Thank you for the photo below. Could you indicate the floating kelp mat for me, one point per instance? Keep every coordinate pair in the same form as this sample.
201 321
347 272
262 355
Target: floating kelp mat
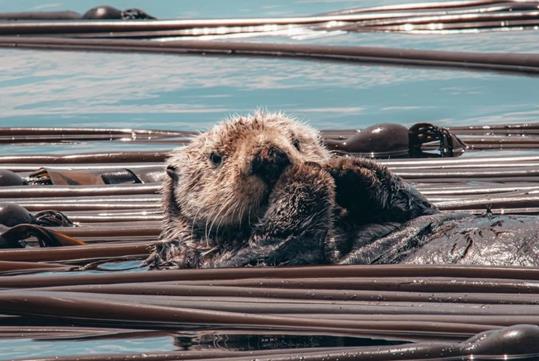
67 30
428 17
514 63
97 301
415 312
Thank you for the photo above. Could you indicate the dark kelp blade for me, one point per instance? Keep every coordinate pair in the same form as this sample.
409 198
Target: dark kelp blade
46 236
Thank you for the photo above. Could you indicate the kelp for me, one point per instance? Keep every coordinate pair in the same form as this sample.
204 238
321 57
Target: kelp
436 307
420 17
526 63
76 34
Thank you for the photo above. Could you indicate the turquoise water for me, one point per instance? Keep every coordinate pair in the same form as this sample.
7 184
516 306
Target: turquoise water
192 92
19 348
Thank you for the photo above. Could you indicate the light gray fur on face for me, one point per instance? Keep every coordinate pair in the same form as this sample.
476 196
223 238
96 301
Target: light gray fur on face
213 195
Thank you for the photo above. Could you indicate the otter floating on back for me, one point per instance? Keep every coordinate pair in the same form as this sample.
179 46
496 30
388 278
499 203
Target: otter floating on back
263 190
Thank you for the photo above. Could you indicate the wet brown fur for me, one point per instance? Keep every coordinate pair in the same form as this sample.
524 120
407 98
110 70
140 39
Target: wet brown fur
219 215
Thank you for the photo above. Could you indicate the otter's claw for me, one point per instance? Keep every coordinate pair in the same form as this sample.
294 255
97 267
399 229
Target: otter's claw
173 254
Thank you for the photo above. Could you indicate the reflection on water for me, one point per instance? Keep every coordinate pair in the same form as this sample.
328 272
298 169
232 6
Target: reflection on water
19 348
271 341
204 343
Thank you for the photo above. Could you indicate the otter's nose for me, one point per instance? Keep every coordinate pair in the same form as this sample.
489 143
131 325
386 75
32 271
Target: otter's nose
269 163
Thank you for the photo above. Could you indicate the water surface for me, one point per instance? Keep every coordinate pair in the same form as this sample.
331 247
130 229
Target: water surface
65 89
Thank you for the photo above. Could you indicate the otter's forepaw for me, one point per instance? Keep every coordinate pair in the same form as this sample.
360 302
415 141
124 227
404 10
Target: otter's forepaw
356 186
299 192
310 175
371 193
297 221
173 254
302 191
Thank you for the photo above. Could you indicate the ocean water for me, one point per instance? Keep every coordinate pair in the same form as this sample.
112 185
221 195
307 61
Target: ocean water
64 89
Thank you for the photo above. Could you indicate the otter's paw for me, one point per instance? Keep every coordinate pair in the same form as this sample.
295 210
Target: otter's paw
297 221
357 185
173 254
303 197
307 175
302 193
371 193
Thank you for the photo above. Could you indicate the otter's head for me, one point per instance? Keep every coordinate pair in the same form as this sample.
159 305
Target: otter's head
224 176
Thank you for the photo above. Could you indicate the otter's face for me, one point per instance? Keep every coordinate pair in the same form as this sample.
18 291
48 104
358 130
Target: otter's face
224 176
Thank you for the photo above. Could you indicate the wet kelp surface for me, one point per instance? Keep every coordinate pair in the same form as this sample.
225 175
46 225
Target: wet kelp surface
98 302
425 17
106 29
383 312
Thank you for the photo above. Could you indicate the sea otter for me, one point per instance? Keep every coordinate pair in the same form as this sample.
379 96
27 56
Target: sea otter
263 190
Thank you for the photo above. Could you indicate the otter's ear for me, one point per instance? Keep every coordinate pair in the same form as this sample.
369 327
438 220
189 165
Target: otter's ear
172 173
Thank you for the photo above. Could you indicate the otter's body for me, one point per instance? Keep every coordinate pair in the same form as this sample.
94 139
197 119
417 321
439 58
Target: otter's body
263 190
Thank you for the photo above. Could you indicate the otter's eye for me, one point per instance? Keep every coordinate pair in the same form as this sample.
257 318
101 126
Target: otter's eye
295 143
215 158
